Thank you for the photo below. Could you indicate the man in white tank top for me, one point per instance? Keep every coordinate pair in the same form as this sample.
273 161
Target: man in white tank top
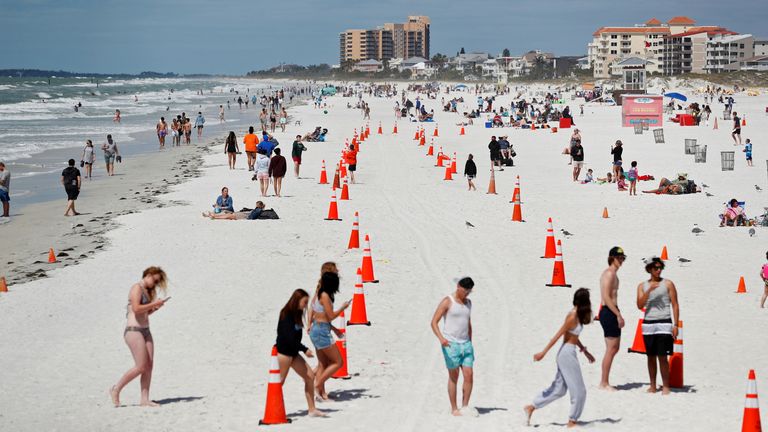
456 342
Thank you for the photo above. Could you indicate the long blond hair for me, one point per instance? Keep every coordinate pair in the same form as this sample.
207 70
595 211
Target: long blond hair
328 266
162 283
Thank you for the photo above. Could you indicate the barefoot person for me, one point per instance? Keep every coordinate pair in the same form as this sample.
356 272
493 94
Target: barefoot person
328 355
5 186
72 181
296 151
289 330
568 376
470 171
110 154
659 298
162 130
277 169
142 301
231 149
456 341
609 315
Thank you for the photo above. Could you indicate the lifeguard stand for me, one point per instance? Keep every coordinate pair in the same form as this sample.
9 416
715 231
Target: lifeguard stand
632 70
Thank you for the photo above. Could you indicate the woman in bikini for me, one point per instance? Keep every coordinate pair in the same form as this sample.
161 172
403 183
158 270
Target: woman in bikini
322 314
142 302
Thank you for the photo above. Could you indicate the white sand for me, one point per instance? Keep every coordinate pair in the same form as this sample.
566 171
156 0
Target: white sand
61 342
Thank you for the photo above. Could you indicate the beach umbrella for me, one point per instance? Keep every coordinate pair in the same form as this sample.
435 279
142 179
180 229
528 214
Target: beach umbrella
676 96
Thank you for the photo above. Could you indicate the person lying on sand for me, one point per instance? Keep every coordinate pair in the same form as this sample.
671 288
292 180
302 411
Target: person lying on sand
248 215
676 187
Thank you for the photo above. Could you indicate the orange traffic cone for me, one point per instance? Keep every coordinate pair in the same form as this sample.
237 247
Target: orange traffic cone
516 191
638 344
359 313
422 140
715 124
274 412
368 263
394 129
3 285
431 149
51 256
416 136
342 169
448 173
341 343
380 131
549 245
605 212
367 131
345 191
354 137
742 289
323 175
436 134
558 271
533 126
336 180
664 255
751 420
744 121
492 183
333 208
676 360
517 211
354 237
453 164
461 132
440 157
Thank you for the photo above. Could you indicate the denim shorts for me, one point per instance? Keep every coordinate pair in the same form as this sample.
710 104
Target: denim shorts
4 197
110 159
459 354
320 335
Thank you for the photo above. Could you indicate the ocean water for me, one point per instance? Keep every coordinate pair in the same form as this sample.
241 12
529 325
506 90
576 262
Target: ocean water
40 129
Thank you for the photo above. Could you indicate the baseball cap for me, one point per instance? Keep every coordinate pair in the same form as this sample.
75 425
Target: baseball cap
616 251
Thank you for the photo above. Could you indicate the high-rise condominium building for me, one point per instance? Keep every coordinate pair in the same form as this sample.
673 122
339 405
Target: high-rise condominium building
392 40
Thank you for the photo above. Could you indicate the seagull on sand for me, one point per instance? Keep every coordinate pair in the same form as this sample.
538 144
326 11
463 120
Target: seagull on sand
758 188
704 185
696 230
565 233
469 225
708 194
683 260
751 232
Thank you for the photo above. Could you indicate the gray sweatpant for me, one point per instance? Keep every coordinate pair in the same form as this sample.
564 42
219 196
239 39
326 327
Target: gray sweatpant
569 379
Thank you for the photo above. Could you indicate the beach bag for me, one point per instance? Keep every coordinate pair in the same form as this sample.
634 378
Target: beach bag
508 162
268 214
512 153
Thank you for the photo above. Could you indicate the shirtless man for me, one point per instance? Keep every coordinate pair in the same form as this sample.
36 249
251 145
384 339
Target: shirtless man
162 131
610 316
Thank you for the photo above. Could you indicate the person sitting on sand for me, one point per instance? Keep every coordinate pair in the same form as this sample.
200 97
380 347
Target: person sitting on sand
224 202
733 214
622 183
588 178
241 215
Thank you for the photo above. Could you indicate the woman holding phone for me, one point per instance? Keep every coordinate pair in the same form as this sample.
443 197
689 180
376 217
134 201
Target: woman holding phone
328 355
142 302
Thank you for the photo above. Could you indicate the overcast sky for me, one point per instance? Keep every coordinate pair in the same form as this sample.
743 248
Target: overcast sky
236 36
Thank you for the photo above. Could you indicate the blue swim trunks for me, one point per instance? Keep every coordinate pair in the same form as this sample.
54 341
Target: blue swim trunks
459 354
4 197
320 335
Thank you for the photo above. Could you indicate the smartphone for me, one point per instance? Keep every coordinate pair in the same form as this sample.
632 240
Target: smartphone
166 299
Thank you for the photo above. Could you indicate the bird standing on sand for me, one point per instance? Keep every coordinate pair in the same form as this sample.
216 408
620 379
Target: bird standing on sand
704 185
758 188
683 260
708 194
565 233
696 230
469 224
751 232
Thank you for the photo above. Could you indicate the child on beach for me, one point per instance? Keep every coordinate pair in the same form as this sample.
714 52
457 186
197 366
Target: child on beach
764 276
470 171
568 376
588 178
607 179
748 152
632 177
622 184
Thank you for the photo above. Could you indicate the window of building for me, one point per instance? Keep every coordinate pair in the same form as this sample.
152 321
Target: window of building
613 43
614 36
613 51
741 46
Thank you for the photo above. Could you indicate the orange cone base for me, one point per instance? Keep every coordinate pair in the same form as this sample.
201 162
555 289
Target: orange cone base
349 323
565 285
676 370
262 422
332 219
371 281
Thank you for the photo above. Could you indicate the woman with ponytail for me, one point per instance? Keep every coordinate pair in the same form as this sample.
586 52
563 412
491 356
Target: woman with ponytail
568 376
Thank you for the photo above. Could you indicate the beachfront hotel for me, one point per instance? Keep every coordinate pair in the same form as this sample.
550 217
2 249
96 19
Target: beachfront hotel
391 40
672 48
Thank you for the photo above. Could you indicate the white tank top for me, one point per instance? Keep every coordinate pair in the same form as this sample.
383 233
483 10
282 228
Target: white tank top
456 321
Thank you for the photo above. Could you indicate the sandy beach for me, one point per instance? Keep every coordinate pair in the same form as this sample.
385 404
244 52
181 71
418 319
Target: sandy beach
61 343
